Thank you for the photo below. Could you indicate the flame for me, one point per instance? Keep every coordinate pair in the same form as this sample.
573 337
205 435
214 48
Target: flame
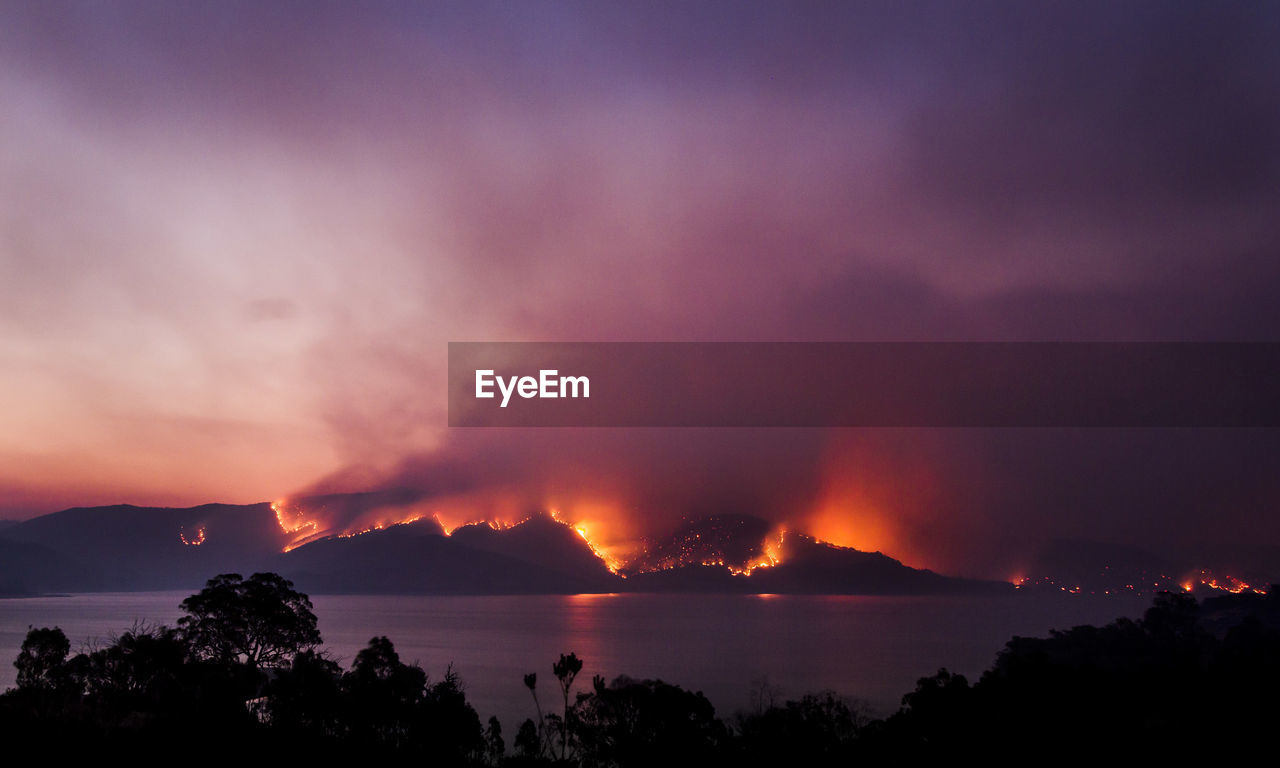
771 556
495 524
610 560
195 541
1209 580
381 525
304 525
294 523
1203 579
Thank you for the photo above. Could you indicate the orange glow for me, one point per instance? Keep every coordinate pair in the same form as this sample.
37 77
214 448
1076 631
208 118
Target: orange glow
772 555
497 510
194 541
497 525
304 525
611 561
852 524
380 525
1209 580
602 526
293 522
878 501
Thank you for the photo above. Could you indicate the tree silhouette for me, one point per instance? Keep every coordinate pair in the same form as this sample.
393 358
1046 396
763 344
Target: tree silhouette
531 682
819 729
528 744
494 747
646 722
260 621
389 703
565 670
383 694
304 697
40 662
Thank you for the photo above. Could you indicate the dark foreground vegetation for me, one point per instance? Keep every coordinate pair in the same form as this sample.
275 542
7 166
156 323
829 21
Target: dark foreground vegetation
241 678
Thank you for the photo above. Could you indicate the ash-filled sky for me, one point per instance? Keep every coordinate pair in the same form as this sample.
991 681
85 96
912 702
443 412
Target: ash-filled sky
236 237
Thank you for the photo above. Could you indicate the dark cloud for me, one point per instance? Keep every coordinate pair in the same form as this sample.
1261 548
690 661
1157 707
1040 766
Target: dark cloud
1108 111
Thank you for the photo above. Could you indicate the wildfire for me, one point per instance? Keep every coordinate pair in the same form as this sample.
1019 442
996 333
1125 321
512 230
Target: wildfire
305 525
448 528
194 541
772 555
380 526
1207 579
611 562
294 523
1111 582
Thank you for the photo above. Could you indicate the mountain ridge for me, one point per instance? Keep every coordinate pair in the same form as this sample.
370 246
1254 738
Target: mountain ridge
131 548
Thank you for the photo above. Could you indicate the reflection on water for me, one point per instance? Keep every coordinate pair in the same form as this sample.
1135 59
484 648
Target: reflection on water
873 648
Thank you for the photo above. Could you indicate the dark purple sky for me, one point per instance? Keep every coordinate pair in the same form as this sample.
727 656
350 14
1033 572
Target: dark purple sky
235 238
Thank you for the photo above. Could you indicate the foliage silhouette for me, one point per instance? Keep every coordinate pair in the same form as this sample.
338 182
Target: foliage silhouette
565 670
260 621
819 729
40 662
305 697
645 722
1186 675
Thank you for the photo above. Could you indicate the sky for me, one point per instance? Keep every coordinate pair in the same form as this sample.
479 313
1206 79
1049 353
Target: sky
235 239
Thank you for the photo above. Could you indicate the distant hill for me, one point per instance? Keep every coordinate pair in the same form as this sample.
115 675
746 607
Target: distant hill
735 540
1100 567
416 559
361 550
811 567
123 547
545 544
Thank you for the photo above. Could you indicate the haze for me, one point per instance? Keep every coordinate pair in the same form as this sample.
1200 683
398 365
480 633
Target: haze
235 239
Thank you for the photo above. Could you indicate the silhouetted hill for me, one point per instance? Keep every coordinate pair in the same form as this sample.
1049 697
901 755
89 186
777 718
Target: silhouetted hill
812 567
543 543
731 539
124 547
1095 566
337 514
31 569
415 559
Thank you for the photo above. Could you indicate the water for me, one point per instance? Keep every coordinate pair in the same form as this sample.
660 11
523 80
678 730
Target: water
870 648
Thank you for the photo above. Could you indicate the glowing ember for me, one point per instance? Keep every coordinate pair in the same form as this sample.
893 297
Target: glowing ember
1112 582
194 541
772 546
1209 580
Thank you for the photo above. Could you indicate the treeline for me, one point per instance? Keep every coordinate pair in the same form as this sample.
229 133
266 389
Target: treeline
241 677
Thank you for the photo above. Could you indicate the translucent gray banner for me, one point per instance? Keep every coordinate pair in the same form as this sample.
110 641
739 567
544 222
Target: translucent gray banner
801 384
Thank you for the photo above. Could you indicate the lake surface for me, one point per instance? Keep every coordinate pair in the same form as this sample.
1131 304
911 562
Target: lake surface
869 648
